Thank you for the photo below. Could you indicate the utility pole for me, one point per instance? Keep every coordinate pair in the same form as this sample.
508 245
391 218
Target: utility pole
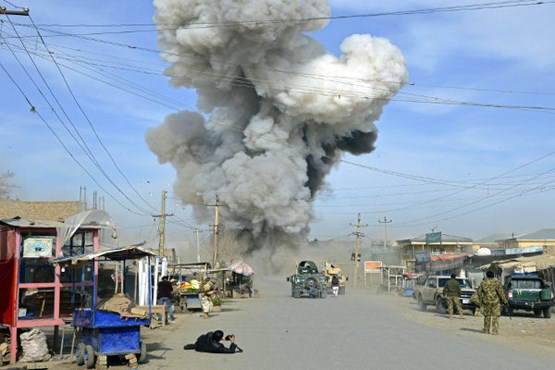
25 11
162 227
197 231
385 222
215 238
355 262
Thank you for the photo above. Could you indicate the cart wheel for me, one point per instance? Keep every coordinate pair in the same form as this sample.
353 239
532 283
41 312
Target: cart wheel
80 354
89 357
142 355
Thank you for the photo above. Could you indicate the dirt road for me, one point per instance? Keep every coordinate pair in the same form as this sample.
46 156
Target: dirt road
356 331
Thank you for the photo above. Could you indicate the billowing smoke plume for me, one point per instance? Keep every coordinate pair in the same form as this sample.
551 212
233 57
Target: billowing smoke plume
275 110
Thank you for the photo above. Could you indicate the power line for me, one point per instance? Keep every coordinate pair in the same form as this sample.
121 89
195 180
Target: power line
261 22
81 142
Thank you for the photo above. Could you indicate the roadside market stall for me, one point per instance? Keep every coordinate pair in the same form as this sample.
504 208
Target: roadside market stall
240 281
111 327
187 278
35 293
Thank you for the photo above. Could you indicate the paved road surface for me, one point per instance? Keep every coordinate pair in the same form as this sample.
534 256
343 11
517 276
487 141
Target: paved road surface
356 331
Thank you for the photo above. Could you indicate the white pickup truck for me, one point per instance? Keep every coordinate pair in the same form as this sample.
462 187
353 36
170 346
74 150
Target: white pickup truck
431 293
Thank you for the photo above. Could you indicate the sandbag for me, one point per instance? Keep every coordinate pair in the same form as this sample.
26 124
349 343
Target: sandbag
34 346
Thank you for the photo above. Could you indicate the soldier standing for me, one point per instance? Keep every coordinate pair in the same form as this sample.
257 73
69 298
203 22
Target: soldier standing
491 295
207 289
452 293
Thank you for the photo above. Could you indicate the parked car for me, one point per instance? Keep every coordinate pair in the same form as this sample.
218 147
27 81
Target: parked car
528 292
431 293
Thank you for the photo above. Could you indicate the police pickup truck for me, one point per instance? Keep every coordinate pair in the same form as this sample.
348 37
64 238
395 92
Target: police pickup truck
528 292
431 293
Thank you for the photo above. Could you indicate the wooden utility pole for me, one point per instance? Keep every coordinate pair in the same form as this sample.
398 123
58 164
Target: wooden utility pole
215 238
385 222
162 226
358 234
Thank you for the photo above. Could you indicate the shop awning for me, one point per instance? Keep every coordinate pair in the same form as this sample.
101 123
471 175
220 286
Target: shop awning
117 254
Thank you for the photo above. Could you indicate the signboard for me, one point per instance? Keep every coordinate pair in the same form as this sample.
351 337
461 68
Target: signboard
433 237
422 256
372 266
38 247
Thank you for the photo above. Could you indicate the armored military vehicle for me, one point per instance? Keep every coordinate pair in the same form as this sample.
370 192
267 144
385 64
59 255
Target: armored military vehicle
528 292
308 281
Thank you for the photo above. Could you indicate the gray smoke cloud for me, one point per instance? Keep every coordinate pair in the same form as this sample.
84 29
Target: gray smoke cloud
275 109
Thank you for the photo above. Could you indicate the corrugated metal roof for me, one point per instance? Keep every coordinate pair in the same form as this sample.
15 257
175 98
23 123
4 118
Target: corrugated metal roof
445 238
541 234
38 224
41 224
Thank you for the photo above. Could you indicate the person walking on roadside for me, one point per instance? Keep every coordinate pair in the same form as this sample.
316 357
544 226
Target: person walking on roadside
165 291
335 285
491 296
452 293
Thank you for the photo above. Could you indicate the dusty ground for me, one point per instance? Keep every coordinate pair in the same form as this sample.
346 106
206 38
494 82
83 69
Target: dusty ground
528 333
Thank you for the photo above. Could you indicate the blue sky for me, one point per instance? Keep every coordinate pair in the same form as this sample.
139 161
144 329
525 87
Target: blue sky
459 148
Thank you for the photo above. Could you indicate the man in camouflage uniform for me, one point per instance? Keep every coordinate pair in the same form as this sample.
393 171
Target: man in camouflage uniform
207 289
452 293
491 296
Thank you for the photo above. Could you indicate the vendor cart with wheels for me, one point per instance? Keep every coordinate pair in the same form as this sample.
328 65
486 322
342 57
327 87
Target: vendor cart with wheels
189 301
109 332
105 333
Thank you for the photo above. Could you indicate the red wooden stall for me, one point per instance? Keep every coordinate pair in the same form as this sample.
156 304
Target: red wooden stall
33 292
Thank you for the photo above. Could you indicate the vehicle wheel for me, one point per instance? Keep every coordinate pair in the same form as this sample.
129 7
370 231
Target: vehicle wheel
311 282
142 354
296 293
80 354
537 312
421 303
89 357
440 306
323 294
547 312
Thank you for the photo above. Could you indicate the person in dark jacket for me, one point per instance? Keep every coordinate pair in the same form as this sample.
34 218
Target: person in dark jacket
165 291
452 293
211 342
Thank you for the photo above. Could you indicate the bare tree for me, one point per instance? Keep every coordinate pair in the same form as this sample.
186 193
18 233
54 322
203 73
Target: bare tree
229 249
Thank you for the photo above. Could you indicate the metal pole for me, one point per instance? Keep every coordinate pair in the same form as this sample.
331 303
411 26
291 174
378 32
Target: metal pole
197 231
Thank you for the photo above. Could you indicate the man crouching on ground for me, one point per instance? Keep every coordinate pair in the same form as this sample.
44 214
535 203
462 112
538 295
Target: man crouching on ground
211 342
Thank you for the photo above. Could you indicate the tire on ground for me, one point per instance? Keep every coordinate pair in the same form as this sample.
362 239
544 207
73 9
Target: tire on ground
89 357
421 303
80 354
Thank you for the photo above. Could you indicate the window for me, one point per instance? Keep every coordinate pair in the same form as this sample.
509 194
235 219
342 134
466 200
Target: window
36 250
